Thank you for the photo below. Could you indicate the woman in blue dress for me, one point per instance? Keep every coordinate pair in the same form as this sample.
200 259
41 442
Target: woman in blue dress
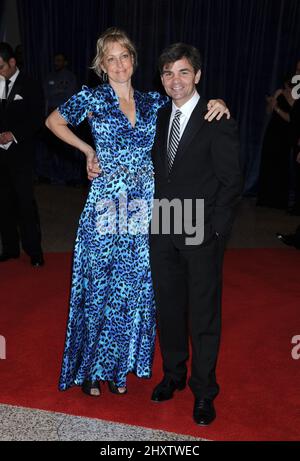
111 326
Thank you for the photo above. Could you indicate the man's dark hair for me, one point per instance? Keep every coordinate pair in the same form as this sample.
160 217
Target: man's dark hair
6 51
178 51
59 53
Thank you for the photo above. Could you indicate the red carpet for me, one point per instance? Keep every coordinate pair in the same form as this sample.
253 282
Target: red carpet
259 379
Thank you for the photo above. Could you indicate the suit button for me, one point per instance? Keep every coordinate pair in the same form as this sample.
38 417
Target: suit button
169 180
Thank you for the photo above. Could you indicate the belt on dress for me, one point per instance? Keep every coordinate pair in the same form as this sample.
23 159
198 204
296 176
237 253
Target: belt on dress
135 176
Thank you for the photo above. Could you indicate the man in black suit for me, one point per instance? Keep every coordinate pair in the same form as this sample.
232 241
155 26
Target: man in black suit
295 128
294 238
21 116
193 160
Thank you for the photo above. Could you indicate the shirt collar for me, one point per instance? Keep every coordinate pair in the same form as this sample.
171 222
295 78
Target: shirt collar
14 77
188 107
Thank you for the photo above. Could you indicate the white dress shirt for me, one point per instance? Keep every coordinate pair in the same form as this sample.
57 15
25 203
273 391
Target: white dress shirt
186 112
12 82
12 79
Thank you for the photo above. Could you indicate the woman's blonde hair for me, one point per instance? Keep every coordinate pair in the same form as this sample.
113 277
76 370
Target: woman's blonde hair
111 35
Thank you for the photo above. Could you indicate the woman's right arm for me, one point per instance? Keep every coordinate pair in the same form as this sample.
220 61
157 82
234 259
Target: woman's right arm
59 126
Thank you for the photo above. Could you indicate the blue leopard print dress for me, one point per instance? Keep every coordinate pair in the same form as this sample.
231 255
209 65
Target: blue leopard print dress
111 326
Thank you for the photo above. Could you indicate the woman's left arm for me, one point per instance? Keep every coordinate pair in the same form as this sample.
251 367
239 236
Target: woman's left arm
216 109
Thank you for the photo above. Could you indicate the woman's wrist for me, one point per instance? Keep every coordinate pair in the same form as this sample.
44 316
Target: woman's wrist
86 149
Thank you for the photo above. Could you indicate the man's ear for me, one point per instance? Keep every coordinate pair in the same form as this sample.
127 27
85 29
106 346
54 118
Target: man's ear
12 62
198 77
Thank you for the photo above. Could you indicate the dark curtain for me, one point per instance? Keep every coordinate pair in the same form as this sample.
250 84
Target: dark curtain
2 3
248 47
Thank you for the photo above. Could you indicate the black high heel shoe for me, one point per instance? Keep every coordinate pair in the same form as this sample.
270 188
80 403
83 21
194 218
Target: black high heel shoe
114 389
91 388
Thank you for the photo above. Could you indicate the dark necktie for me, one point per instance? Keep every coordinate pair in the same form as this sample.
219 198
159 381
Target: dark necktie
174 139
7 82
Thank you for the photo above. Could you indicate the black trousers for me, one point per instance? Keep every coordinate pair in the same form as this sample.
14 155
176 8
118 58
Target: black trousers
188 289
18 208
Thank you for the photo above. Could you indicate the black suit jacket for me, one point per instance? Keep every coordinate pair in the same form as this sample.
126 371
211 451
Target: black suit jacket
206 166
295 121
23 117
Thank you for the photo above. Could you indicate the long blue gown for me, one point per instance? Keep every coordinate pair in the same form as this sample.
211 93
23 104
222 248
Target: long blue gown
111 326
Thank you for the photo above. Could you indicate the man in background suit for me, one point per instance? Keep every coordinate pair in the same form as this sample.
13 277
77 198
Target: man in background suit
193 160
21 116
294 238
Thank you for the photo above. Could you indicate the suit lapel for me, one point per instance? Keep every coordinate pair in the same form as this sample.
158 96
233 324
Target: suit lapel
195 123
16 89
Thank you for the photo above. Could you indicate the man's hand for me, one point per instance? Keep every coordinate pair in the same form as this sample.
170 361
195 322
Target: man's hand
216 109
6 137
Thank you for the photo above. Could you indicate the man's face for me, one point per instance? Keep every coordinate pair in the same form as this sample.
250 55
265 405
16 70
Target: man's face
7 69
59 62
179 80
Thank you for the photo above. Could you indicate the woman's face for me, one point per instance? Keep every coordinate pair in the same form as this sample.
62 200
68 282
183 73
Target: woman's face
117 63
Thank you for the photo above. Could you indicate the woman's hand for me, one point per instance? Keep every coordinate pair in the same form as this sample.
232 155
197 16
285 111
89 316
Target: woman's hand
216 109
94 169
92 165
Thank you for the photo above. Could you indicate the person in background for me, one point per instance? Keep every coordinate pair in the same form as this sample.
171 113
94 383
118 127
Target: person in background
60 84
57 162
21 117
273 183
295 125
293 239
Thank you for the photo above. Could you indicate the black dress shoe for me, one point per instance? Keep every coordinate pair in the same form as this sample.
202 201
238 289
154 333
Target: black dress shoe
6 256
294 211
288 239
204 412
37 261
166 388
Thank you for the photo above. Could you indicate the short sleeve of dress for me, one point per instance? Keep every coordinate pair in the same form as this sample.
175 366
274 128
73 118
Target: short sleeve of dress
158 100
75 110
